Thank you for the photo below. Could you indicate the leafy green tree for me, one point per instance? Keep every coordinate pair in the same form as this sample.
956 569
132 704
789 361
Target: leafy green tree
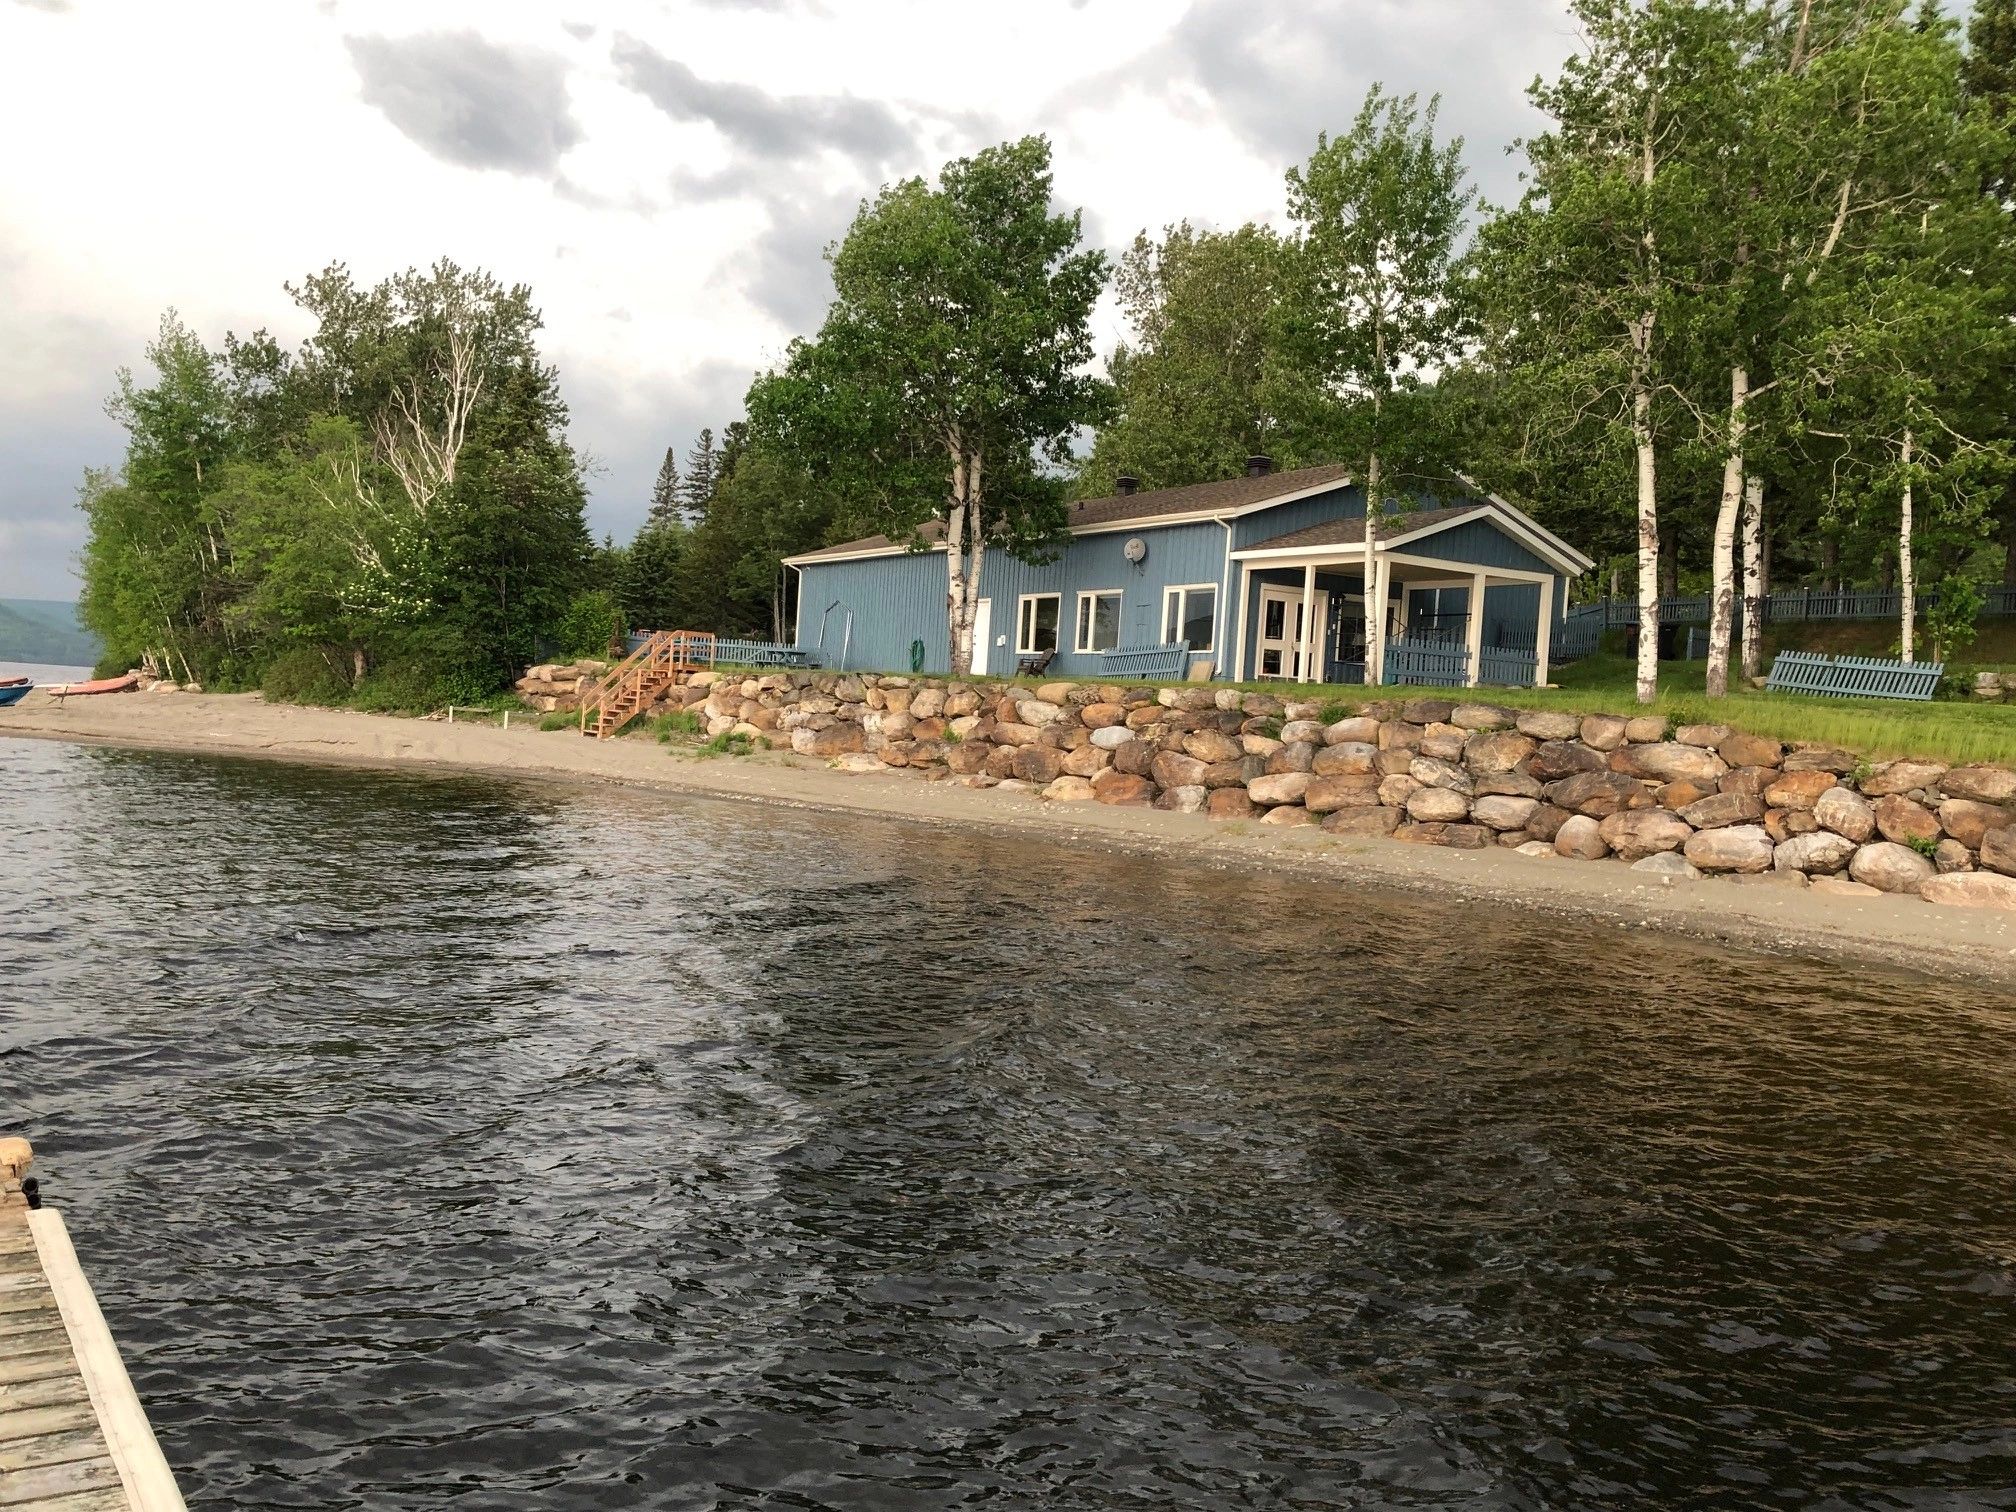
1192 390
1375 302
647 581
948 369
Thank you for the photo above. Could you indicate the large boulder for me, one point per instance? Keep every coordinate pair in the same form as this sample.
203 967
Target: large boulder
1400 735
1732 848
1360 729
1970 890
1426 711
1645 729
1431 772
1554 759
1720 810
1951 856
1496 750
1599 793
1580 838
1604 732
1346 758
1437 805
1174 769
1645 832
1039 765
1112 737
1668 761
1278 787
1210 745
1362 821
1998 850
1134 757
1820 851
1546 724
1983 784
1819 758
1230 803
1122 790
1968 821
1396 788
1070 790
1905 821
1502 812
1752 780
1459 836
1510 785
1102 716
834 740
1444 741
1480 716
1890 867
1709 736
1741 750
1086 761
1546 822
1903 777
1183 800
1846 812
1668 864
1798 788
1293 756
1325 795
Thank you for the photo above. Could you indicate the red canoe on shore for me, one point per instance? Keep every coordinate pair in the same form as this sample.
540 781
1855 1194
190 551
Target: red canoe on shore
103 685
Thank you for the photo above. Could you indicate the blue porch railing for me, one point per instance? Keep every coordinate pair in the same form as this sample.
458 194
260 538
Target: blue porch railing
1169 661
1504 667
1854 676
1427 663
744 653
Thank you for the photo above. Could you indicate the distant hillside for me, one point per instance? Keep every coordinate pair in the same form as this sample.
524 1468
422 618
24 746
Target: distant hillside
45 630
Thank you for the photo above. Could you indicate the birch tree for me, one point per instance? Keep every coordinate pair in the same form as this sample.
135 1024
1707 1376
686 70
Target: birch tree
1373 308
950 368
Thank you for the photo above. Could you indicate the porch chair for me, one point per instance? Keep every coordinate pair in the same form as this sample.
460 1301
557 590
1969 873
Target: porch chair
1037 665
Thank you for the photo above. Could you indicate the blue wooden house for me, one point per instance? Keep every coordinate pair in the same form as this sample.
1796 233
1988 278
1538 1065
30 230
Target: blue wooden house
1255 577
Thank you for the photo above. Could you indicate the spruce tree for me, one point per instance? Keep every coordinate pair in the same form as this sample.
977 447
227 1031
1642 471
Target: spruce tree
665 492
702 468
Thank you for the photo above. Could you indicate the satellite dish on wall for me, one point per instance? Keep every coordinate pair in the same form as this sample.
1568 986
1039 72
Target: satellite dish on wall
1136 549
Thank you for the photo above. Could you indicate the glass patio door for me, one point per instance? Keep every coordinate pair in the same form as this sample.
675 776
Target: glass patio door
1280 642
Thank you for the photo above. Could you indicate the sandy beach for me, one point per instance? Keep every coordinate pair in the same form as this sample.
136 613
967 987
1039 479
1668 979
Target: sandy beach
1978 944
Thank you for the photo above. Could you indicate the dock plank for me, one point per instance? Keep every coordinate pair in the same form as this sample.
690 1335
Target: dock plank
47 1393
27 1488
38 1367
20 1430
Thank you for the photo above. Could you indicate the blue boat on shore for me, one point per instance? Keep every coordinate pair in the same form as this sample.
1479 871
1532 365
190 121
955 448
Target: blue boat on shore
14 689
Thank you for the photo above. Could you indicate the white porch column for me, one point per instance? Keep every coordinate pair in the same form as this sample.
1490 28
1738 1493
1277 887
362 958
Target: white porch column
1377 571
1308 619
1543 642
1474 628
1238 622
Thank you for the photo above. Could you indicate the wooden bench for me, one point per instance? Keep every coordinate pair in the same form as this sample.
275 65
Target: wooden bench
1853 676
1170 662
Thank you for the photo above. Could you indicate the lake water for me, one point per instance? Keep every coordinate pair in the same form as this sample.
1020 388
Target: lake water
437 1140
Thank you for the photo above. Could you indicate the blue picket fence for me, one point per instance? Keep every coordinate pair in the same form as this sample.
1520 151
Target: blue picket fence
1169 661
1854 676
1795 607
1503 667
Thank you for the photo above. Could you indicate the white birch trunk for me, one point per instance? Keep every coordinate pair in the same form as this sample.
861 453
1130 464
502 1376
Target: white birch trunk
959 655
1648 545
1907 583
1722 573
1755 589
1375 612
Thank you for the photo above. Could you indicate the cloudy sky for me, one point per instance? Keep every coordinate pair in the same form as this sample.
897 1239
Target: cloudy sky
664 175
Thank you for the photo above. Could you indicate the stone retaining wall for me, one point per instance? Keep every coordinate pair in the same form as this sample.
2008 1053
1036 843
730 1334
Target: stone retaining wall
1700 799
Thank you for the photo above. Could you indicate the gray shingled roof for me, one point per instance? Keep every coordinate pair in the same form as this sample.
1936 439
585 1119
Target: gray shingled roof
1200 499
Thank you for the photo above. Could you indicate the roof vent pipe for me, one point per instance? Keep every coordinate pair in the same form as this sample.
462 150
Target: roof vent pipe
1126 483
1259 465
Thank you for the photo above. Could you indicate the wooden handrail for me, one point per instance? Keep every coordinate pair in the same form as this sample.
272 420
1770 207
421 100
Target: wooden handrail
663 654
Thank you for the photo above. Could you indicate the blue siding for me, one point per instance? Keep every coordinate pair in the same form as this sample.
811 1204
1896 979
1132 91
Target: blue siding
1345 503
1476 543
895 600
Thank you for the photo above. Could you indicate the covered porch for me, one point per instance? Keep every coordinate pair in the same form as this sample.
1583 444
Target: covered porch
1442 622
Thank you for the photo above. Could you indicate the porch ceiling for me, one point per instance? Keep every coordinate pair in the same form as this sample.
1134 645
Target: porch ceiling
1349 533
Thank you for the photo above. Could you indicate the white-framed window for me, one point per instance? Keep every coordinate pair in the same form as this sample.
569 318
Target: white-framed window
1099 619
1036 616
1190 613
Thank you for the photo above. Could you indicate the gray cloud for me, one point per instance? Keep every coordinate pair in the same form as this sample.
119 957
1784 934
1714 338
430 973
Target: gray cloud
468 101
1280 71
580 31
625 427
765 127
55 7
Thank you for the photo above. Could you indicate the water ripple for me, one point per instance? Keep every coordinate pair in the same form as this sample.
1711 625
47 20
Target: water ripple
444 1140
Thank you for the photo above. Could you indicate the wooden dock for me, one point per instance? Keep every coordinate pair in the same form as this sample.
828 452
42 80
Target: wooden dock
73 1436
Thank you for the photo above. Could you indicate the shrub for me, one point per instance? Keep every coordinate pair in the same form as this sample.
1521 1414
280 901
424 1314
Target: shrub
560 719
591 624
1334 711
1925 845
678 724
303 675
728 744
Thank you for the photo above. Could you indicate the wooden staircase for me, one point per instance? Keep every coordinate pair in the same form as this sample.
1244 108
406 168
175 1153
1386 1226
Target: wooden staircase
636 683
